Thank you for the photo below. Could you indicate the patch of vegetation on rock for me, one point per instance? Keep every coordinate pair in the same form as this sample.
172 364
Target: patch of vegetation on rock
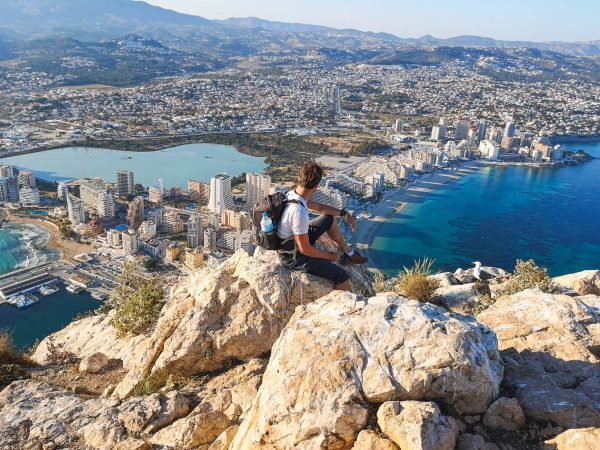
413 282
527 275
137 300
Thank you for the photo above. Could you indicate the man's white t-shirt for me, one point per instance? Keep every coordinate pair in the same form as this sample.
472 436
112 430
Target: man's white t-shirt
295 219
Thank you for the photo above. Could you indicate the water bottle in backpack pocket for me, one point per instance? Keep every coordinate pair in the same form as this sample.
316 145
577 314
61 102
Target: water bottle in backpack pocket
267 237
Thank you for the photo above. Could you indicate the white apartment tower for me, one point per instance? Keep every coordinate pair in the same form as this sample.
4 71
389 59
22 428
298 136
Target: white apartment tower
195 231
26 178
220 193
95 197
131 242
29 196
125 184
258 186
62 191
76 209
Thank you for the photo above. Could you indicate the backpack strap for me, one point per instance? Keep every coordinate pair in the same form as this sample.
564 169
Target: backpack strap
285 203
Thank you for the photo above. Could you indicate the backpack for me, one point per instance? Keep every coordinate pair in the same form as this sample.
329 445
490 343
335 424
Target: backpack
273 205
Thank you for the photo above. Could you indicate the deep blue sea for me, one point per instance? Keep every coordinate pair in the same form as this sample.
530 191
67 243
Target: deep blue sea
499 214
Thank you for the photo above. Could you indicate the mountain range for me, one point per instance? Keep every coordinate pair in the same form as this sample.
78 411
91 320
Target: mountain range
90 20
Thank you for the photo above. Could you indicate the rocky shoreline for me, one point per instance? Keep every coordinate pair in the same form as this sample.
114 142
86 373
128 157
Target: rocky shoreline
256 357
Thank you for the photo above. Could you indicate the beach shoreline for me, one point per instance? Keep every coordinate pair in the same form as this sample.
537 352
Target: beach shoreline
394 202
65 249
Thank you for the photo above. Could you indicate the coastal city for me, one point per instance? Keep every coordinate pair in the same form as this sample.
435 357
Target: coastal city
180 229
306 96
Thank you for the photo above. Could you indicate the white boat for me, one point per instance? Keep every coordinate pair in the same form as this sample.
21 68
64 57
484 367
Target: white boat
22 300
73 289
99 296
48 290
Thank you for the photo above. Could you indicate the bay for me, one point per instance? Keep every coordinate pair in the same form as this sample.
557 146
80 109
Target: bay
498 215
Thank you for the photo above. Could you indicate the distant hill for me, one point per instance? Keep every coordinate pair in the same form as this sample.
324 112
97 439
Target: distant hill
94 20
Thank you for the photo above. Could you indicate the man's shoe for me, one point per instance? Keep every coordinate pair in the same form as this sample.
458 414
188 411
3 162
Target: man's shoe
356 258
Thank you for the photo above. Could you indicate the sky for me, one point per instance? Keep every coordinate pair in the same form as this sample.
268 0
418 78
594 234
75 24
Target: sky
531 20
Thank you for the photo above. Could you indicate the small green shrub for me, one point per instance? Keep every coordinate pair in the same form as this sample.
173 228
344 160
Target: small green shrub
159 381
383 284
484 301
137 300
414 282
527 275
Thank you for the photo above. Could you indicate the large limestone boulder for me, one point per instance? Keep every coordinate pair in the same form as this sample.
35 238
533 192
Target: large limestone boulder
234 312
461 298
418 425
338 354
549 345
576 439
584 283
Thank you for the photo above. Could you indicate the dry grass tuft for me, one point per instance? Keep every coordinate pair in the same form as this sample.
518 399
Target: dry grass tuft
414 282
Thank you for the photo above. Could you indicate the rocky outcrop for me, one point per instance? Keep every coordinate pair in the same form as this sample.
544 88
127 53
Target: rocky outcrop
382 349
36 415
461 298
577 439
549 345
583 283
85 337
232 313
417 425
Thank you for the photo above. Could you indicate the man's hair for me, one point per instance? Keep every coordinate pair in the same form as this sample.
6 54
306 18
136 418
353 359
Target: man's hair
310 175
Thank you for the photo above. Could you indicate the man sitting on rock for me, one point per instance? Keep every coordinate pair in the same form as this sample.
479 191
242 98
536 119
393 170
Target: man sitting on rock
299 234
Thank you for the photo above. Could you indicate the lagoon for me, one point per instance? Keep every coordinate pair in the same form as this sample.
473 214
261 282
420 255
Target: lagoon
175 165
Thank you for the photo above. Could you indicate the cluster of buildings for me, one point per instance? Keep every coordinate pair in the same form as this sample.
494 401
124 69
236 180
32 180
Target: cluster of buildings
118 219
18 187
495 143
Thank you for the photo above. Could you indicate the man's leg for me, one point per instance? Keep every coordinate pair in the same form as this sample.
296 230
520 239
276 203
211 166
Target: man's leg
336 236
330 271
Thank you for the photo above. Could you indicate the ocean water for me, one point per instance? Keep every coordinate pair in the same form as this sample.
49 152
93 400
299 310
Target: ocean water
499 214
51 314
175 165
22 246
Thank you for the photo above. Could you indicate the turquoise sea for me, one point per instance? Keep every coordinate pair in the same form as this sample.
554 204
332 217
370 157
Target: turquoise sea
499 214
175 165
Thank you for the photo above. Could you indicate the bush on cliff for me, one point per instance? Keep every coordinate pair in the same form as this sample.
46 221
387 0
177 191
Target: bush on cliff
528 275
413 282
137 300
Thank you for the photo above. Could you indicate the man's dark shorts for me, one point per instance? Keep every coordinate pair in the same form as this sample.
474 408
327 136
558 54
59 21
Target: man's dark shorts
317 266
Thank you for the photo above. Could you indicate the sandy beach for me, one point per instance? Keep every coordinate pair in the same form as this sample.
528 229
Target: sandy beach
395 200
66 248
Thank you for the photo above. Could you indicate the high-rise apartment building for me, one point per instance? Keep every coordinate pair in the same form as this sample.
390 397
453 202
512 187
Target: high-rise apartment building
125 184
114 238
438 133
155 195
13 189
6 171
510 129
29 196
95 197
195 231
76 209
63 191
172 223
3 189
135 213
26 178
156 215
258 186
462 129
245 242
200 190
482 130
220 193
131 242
210 239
